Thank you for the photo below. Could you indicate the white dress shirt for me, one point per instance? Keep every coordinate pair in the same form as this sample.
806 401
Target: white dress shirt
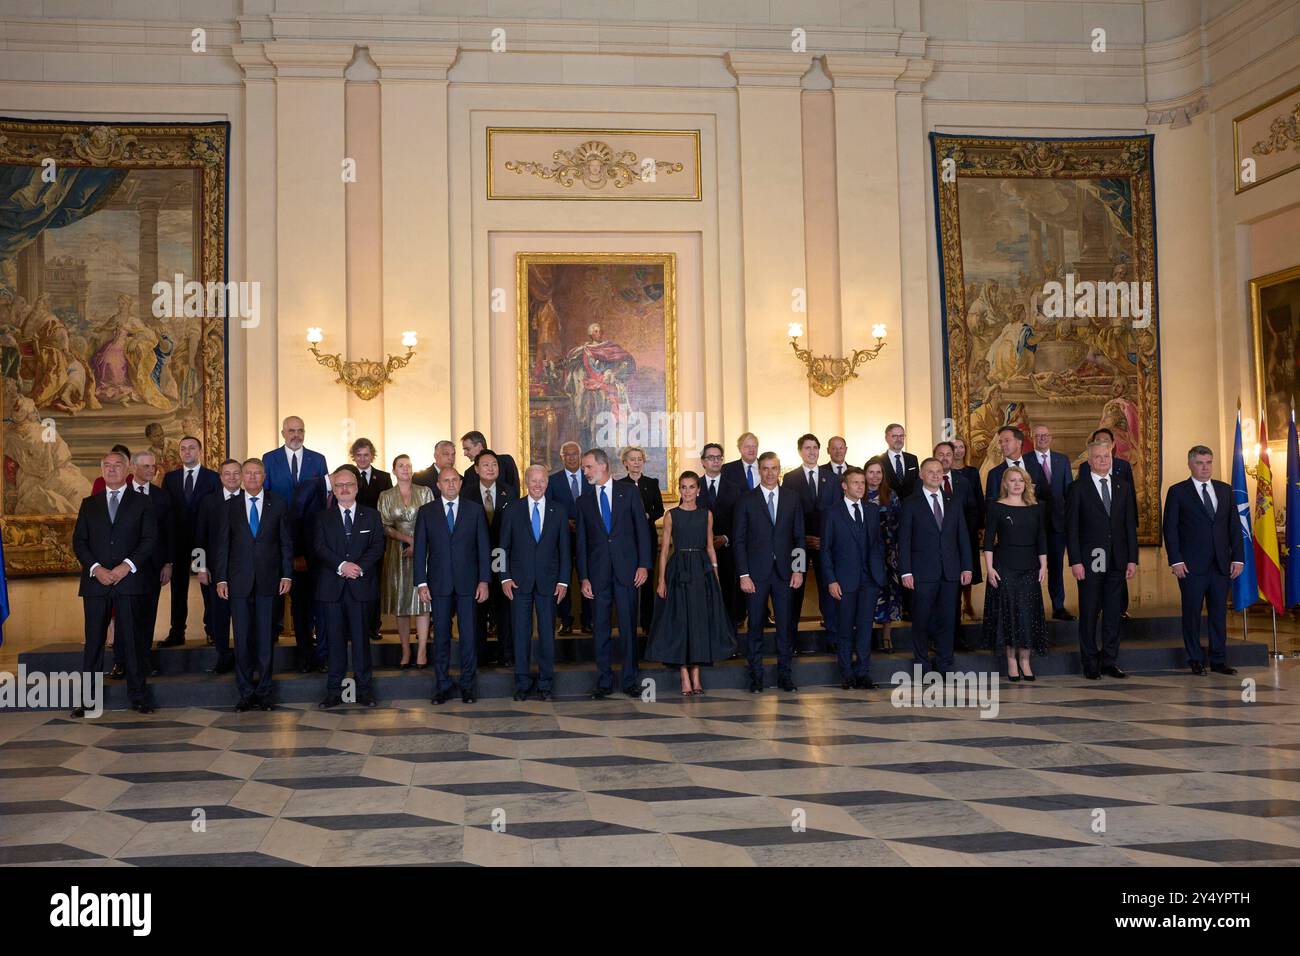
1096 480
443 501
1208 488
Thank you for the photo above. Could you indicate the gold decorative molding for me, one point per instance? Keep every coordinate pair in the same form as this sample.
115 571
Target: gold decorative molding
1272 133
603 165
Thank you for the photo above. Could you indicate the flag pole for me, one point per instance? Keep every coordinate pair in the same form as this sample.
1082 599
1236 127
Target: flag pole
1276 654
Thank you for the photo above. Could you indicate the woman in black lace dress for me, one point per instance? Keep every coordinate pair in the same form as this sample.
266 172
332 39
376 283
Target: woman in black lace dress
691 626
1015 560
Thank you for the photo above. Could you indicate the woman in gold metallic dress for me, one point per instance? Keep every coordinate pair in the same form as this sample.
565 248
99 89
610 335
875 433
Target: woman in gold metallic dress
397 507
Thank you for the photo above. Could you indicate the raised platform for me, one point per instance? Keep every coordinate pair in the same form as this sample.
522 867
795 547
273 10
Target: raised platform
1148 644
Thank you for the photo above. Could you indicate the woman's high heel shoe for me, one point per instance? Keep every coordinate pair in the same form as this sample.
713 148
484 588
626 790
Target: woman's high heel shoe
1028 678
404 666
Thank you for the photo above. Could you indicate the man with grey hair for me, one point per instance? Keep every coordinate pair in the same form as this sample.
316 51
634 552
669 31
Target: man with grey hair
114 540
1101 540
1206 550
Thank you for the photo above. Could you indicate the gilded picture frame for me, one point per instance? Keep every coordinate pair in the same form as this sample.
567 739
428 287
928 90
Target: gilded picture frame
559 359
1035 207
1275 332
1270 135
192 161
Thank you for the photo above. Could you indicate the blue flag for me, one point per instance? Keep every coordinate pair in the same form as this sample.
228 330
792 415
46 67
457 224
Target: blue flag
4 595
1292 516
1245 589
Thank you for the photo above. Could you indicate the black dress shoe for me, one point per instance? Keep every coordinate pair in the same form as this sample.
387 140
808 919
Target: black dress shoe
1092 674
1223 669
1061 614
521 695
586 629
305 667
210 639
376 637
1125 616
466 697
245 703
441 697
118 672
632 691
599 694
78 712
865 683
848 684
786 683
172 640
1113 671
543 695
368 701
334 700
755 686
265 703
1197 667
143 708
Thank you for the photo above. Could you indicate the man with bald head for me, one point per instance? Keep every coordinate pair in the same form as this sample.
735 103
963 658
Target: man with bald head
287 467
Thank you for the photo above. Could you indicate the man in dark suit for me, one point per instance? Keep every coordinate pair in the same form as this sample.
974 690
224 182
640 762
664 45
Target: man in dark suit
1123 471
187 487
1058 476
742 474
564 488
205 535
143 469
613 561
720 498
535 576
444 456
349 546
771 557
853 566
310 501
900 465
934 560
832 473
1204 543
1011 442
967 499
451 564
472 444
114 541
287 467
374 482
497 498
254 565
807 483
1101 540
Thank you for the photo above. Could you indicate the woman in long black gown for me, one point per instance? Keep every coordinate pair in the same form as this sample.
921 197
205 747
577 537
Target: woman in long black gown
1015 558
691 625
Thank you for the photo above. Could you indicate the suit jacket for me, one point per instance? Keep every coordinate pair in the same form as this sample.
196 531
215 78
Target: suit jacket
455 561
606 557
253 566
427 477
1088 527
132 537
558 490
796 482
184 513
536 566
734 472
764 550
503 499
651 497
364 546
926 551
1205 544
164 549
852 556
721 504
309 500
508 473
968 499
279 480
1059 486
904 485
368 493
1120 469
830 487
205 528
972 476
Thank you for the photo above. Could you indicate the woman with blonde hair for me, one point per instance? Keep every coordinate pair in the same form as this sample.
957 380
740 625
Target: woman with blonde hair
397 508
1015 561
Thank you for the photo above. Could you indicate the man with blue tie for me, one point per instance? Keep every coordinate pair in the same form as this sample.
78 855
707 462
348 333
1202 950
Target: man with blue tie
934 560
613 561
253 566
535 576
770 558
565 487
853 566
1204 543
187 487
451 565
743 473
286 468
1058 475
348 540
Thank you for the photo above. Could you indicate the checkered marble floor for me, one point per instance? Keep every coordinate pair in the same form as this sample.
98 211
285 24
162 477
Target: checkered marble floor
1160 769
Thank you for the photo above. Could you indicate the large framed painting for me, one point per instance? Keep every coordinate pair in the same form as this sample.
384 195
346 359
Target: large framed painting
1050 315
598 356
92 217
1275 320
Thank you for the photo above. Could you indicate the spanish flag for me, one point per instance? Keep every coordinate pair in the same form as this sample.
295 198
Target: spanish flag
1268 568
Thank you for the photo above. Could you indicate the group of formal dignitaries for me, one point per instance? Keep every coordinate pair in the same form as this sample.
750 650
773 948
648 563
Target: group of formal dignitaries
496 550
